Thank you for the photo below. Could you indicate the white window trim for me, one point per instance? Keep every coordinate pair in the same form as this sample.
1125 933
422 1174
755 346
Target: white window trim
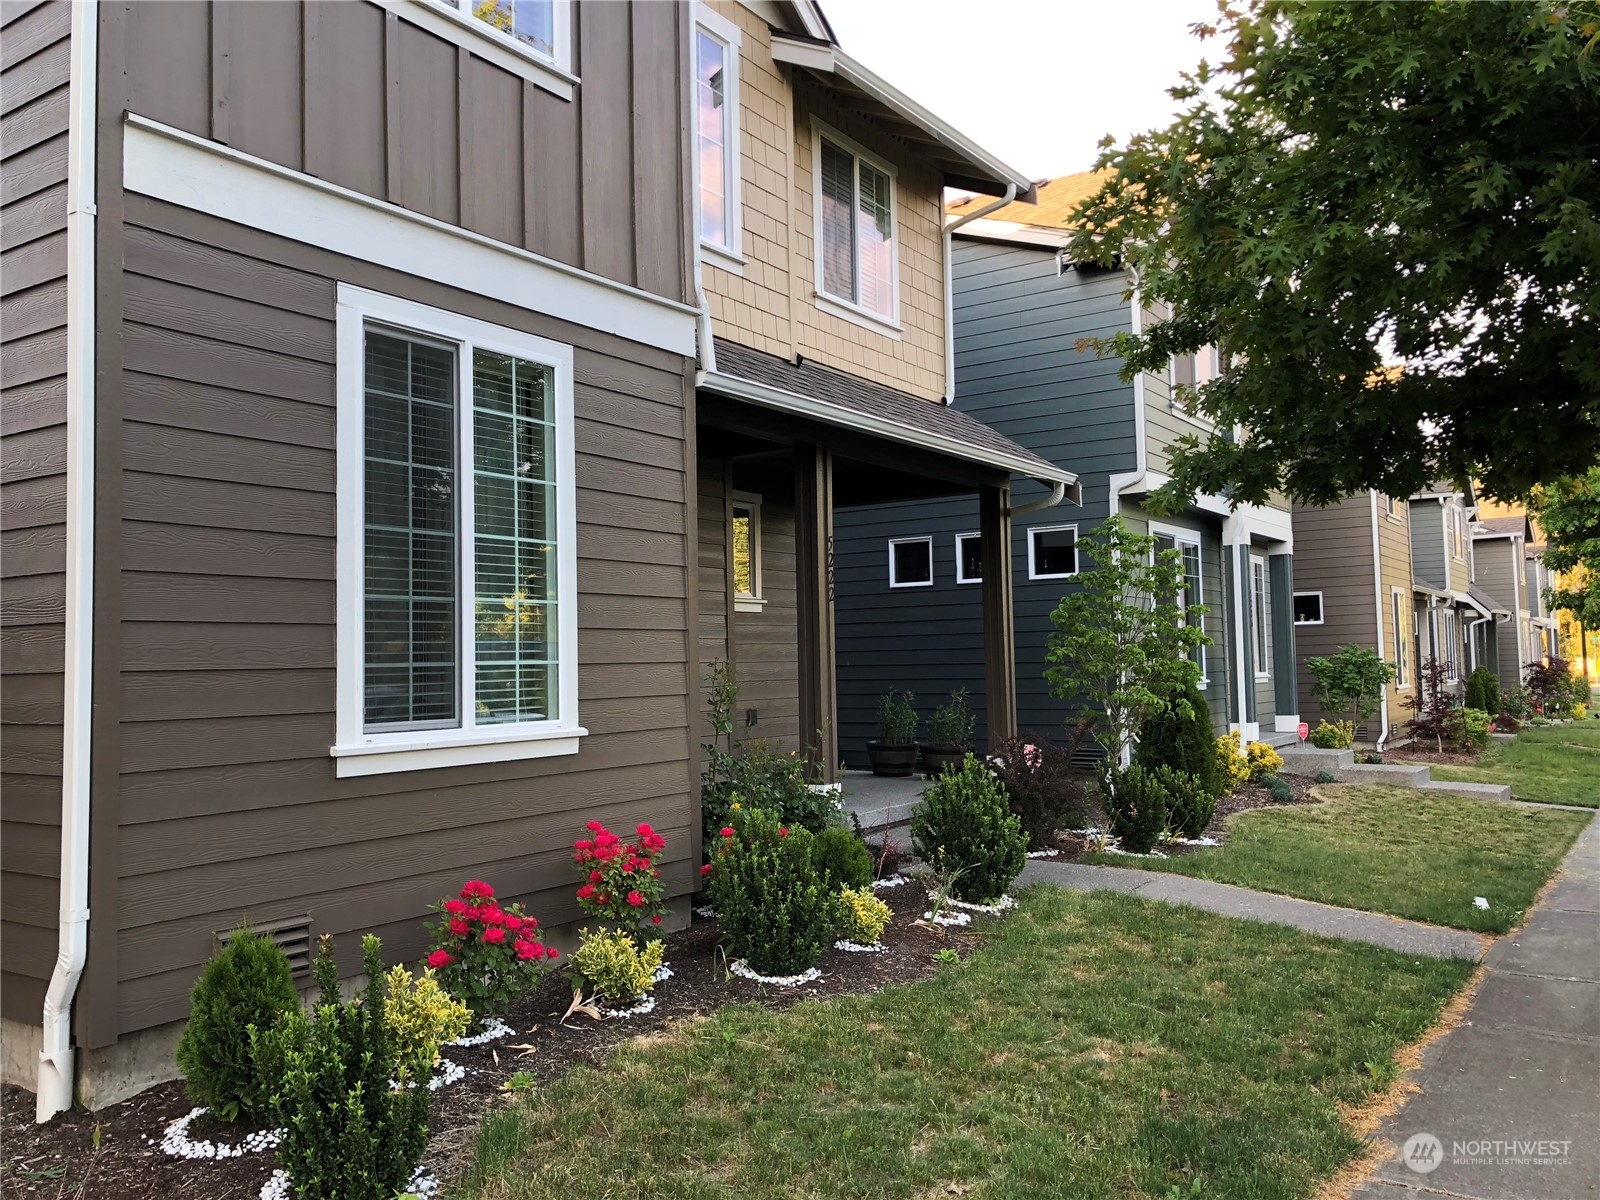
1322 611
1399 606
1187 537
755 601
1180 411
356 751
553 73
1261 622
1390 507
960 576
729 257
1076 558
928 582
839 306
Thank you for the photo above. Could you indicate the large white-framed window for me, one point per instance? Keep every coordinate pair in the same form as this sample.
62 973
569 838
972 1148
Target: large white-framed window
969 558
857 242
1400 603
532 38
1191 593
1457 538
910 562
745 539
1052 551
1261 616
1194 370
1308 608
457 540
716 113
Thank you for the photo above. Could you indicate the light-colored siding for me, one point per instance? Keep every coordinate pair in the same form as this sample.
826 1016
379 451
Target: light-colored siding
1428 565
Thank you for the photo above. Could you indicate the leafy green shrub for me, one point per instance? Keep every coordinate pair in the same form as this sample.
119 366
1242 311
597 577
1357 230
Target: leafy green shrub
613 964
1351 681
1555 689
1135 800
897 719
950 727
1190 804
1325 777
354 1117
1044 789
249 982
422 1017
776 912
1179 736
965 828
842 859
1278 789
1338 736
1517 703
1483 690
1468 728
862 917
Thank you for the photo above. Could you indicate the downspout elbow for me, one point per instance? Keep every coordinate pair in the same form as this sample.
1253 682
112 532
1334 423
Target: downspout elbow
703 336
1058 493
950 287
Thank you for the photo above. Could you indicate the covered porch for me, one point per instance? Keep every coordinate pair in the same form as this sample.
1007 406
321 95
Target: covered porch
781 448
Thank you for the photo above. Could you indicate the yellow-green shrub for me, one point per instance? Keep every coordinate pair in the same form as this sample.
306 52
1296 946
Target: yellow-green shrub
1232 766
1263 760
422 1017
862 916
1339 735
612 964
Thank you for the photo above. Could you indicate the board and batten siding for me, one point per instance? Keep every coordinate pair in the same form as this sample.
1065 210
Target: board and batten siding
1018 369
228 805
1428 563
35 42
363 97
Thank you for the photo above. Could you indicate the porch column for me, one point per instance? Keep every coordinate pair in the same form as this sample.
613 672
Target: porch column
813 561
1286 688
999 614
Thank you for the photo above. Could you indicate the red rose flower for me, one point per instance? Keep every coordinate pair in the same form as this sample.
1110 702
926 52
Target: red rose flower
494 916
635 899
440 958
476 888
595 827
525 950
726 831
782 832
595 877
455 907
586 891
459 927
583 844
603 898
656 920
494 935
551 952
705 870
513 923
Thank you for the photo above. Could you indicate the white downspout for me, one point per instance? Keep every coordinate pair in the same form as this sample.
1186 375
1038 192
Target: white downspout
1377 599
54 1092
950 287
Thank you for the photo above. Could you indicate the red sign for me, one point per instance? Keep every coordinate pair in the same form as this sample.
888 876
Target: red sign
1302 729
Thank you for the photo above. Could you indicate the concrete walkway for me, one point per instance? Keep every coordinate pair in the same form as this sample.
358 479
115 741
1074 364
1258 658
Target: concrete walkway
1523 1066
1408 937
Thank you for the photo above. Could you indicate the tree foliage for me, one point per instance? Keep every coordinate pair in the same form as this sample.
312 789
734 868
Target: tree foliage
1121 645
1568 512
1351 680
1356 183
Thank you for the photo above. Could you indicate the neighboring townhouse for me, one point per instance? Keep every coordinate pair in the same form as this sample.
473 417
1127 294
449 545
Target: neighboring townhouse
1511 569
909 574
1454 618
378 482
1352 585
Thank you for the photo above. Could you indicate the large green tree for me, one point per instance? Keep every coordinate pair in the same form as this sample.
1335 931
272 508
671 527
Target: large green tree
1362 183
1569 514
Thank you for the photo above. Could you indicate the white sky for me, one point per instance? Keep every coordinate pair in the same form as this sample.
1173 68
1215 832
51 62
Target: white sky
1036 82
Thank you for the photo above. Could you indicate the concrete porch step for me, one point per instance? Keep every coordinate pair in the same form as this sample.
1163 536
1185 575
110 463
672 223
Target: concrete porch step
1481 791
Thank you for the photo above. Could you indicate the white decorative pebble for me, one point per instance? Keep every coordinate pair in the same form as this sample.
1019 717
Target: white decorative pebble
850 947
447 1073
889 881
994 910
663 972
423 1183
493 1030
742 969
706 912
176 1142
956 918
1480 902
647 1005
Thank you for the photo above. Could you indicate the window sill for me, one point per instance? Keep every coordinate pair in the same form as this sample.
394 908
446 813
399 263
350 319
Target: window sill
1263 678
1308 624
421 752
1070 575
721 257
857 315
749 603
475 36
923 583
1182 414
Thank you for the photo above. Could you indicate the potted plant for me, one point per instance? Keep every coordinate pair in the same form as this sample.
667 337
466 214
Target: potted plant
894 751
949 735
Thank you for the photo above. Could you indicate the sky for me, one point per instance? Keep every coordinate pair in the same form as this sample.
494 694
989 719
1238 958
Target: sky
1041 83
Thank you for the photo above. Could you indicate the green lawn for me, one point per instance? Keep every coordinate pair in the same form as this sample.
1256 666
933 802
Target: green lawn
1553 765
1391 850
1095 1046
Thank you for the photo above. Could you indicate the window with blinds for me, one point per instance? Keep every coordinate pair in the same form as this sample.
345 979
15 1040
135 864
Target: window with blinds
1190 598
855 221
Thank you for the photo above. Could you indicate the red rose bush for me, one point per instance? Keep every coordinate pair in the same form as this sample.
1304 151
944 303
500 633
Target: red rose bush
622 884
484 953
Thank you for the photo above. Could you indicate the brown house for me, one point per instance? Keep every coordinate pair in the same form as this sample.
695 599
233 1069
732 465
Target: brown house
402 404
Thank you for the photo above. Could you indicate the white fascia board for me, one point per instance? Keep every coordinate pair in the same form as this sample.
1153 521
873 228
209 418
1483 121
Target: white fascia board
1275 524
176 167
830 60
987 229
846 418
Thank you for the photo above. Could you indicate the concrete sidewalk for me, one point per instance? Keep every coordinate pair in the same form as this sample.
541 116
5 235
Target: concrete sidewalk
1523 1066
1408 937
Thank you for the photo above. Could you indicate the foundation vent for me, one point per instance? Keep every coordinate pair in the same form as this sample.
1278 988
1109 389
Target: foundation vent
292 935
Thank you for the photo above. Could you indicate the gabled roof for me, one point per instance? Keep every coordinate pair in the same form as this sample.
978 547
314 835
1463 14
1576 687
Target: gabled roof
822 394
1494 527
1057 199
1483 602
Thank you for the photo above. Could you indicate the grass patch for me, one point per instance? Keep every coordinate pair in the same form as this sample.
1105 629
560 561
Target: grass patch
1552 765
1392 850
1095 1046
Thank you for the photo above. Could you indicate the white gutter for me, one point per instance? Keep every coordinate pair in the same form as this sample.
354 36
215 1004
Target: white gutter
950 288
54 1091
1377 599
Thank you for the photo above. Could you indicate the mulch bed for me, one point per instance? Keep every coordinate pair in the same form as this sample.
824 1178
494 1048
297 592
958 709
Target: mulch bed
1428 756
61 1159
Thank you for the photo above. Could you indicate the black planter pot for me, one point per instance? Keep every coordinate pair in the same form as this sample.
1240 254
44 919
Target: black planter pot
936 761
894 761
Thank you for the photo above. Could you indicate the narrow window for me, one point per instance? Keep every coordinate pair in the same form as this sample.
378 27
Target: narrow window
746 540
969 558
1308 608
536 24
856 229
1262 603
911 562
717 129
1052 551
1190 596
1402 640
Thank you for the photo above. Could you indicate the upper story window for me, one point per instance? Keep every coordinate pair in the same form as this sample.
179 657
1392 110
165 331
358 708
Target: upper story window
857 263
716 107
1457 540
1192 370
540 26
457 635
1391 506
